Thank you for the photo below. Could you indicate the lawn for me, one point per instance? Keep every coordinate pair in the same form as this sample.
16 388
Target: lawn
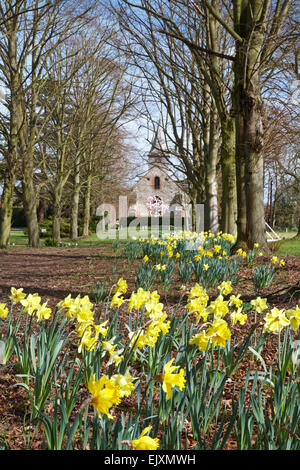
288 245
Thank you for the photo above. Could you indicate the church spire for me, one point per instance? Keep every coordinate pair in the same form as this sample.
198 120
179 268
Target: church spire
158 148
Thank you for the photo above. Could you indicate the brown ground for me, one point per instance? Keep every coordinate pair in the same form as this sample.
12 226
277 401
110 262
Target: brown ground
54 273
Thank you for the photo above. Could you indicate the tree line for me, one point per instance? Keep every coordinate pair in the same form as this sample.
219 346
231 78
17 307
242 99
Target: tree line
218 76
65 102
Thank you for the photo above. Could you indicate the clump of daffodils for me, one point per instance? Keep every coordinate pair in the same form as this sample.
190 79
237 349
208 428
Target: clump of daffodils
107 392
31 304
157 319
80 310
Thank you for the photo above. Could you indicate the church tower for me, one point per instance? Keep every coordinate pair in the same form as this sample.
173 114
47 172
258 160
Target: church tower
156 156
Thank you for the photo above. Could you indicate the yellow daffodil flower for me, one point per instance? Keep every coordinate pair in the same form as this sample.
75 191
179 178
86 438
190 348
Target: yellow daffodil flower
238 316
225 288
259 304
145 442
43 312
3 311
171 380
31 303
275 320
219 332
105 394
121 286
219 307
294 317
16 295
124 383
201 340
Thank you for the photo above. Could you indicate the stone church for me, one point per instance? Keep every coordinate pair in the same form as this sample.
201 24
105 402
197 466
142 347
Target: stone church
156 188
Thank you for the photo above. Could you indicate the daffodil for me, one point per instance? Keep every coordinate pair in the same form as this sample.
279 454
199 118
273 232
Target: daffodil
225 288
294 317
197 291
198 307
274 259
31 303
219 307
171 380
137 299
105 394
88 337
43 312
201 340
275 320
238 316
117 299
115 356
84 314
3 311
121 286
124 383
219 332
235 301
259 304
145 442
16 295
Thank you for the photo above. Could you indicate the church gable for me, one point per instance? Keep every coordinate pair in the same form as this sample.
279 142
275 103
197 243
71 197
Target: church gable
155 179
156 183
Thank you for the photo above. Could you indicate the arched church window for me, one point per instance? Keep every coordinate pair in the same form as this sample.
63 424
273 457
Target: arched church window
157 182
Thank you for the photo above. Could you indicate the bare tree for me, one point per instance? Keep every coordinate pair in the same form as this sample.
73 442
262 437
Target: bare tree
30 31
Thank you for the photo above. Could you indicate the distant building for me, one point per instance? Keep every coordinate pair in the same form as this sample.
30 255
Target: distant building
156 188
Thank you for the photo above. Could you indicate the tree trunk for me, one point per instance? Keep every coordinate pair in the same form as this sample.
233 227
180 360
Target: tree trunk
56 215
242 237
6 210
30 207
87 207
298 234
75 206
229 190
252 109
211 221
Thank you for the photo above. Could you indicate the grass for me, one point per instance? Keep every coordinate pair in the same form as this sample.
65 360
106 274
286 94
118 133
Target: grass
289 244
20 239
289 247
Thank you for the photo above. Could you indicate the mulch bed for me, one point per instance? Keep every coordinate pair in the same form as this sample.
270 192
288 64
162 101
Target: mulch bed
55 273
